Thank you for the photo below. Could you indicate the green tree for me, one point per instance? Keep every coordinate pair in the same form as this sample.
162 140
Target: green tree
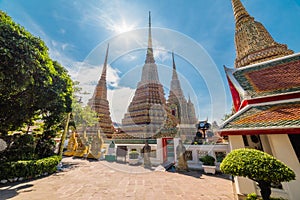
258 166
31 84
82 116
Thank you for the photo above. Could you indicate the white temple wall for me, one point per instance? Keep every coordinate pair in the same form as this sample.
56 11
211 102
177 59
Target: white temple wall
283 150
242 185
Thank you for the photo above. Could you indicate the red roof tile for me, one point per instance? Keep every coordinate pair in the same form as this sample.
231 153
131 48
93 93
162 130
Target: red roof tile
271 78
278 77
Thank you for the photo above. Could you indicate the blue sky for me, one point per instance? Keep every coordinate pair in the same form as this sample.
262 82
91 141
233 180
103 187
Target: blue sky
201 34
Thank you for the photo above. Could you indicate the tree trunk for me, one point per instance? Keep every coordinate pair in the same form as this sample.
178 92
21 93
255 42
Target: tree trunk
265 189
63 136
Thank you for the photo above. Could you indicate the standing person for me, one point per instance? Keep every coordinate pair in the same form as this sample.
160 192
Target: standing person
146 151
180 152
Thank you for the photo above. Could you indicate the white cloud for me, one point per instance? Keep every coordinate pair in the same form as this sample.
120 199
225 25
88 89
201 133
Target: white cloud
161 53
119 100
119 97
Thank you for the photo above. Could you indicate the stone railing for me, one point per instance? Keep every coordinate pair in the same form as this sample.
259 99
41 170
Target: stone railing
194 152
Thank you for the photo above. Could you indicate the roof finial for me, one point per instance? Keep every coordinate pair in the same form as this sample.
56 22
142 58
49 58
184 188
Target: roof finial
149 19
174 65
149 56
174 76
103 75
239 10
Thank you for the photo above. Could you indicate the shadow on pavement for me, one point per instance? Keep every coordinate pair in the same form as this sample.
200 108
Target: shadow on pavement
12 189
199 173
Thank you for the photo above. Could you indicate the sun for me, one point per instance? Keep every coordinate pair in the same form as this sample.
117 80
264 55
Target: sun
123 26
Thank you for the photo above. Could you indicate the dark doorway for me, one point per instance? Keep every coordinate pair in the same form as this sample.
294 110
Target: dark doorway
295 140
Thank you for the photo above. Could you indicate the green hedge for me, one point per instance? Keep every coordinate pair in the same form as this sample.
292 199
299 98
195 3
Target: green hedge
29 168
254 196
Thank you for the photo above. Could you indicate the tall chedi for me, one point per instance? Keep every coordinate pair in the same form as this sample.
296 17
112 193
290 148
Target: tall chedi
99 102
147 114
184 111
253 42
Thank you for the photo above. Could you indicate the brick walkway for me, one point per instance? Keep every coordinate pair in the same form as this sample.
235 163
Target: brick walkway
105 180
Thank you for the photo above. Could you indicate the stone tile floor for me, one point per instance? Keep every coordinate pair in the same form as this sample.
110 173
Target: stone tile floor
86 180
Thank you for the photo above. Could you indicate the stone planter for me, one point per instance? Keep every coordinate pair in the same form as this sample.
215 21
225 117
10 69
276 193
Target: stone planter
133 158
133 161
110 158
209 169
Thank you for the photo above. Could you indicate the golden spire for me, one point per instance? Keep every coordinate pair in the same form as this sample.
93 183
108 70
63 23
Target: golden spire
149 56
239 11
253 42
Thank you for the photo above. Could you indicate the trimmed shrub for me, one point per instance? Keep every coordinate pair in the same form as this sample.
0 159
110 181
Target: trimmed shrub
29 168
133 155
208 160
254 196
258 166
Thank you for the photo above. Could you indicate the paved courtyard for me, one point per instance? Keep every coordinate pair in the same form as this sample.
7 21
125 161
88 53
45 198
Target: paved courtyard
110 180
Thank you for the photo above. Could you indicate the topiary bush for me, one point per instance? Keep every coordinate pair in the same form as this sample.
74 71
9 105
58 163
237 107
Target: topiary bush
133 155
208 160
29 168
258 166
254 196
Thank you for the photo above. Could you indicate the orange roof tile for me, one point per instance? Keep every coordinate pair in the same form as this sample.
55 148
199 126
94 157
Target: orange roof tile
267 116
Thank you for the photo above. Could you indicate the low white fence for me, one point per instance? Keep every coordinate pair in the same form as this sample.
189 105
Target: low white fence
194 152
218 151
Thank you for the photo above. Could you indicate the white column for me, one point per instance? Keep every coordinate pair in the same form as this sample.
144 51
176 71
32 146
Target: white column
176 142
159 150
283 150
242 185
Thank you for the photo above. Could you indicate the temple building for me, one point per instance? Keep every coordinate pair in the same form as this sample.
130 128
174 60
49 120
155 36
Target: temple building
182 109
147 115
265 88
100 105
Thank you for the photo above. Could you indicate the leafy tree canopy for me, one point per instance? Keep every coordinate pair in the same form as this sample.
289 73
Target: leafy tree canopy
31 84
82 116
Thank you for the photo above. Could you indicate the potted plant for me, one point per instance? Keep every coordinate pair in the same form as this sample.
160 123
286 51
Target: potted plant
133 157
208 164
